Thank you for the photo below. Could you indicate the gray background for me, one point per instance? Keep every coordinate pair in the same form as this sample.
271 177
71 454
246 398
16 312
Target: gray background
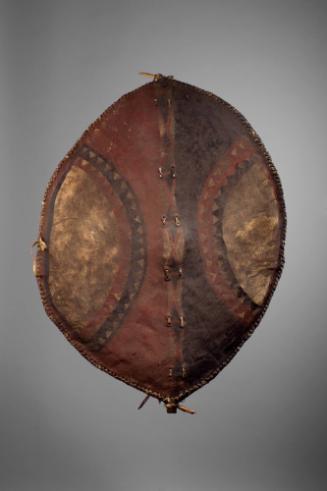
261 424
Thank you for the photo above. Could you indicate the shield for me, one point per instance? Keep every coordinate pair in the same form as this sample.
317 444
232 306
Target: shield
161 239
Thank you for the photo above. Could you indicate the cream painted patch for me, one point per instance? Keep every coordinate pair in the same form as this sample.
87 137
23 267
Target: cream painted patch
83 249
251 231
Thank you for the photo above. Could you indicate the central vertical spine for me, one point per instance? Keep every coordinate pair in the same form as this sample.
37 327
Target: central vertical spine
172 227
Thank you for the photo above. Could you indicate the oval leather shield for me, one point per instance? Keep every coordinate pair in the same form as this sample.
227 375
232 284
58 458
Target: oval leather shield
161 239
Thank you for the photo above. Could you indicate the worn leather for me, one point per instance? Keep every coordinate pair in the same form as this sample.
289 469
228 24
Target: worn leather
164 229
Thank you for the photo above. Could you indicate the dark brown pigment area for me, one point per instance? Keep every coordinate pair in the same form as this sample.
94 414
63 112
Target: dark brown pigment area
203 132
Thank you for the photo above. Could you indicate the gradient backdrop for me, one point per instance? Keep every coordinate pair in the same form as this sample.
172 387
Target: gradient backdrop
261 424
